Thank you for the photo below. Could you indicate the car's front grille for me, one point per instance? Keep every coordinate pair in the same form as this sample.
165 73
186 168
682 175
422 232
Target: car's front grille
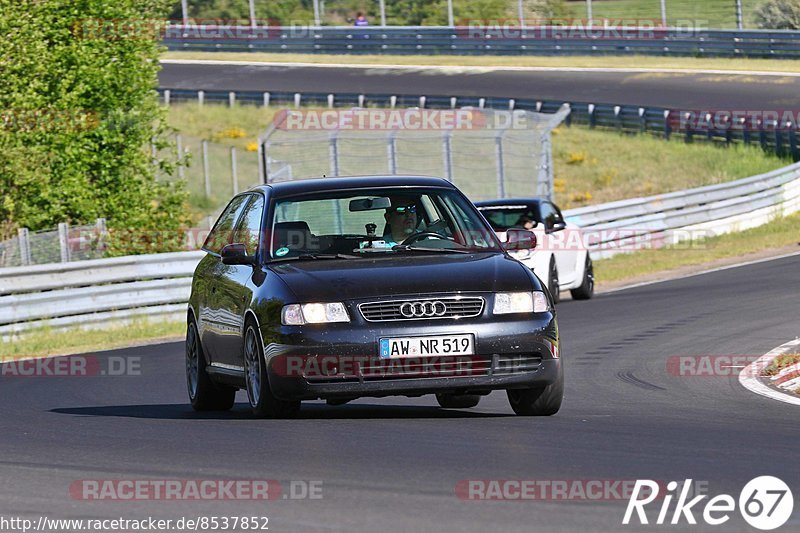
422 308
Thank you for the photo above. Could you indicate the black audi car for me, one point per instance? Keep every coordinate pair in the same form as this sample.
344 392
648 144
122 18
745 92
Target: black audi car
342 288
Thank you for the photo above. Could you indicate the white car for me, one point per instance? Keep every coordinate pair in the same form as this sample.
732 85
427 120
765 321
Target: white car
560 258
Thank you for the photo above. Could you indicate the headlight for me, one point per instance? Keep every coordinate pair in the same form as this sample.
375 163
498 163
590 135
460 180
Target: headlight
314 313
520 302
519 255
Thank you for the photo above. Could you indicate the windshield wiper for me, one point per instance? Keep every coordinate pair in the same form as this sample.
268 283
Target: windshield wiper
412 248
313 257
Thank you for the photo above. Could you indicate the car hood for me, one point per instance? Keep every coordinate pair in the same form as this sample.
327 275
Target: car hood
354 279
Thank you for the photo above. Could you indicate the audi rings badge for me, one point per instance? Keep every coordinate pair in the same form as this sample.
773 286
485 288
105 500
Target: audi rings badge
426 309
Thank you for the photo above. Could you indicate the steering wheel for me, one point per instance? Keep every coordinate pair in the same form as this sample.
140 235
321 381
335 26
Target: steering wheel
423 235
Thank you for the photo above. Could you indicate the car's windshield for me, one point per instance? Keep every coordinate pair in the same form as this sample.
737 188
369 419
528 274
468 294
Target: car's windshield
384 221
504 217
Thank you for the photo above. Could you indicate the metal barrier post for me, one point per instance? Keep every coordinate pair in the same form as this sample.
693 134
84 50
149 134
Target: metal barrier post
102 233
63 241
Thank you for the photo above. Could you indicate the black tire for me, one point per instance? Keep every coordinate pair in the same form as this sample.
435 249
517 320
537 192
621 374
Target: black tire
586 290
204 394
458 401
262 401
552 281
540 401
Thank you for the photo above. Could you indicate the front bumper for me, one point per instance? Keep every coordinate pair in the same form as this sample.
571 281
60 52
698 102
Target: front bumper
341 360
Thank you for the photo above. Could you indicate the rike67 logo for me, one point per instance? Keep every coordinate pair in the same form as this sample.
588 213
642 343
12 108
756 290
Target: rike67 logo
765 503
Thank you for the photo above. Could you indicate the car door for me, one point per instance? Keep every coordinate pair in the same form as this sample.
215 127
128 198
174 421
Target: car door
211 323
560 242
236 283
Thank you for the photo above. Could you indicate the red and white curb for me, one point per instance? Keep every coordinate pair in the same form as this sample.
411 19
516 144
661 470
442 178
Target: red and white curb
787 379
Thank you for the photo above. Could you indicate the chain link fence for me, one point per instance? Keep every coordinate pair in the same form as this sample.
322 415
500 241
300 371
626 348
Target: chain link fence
486 153
62 245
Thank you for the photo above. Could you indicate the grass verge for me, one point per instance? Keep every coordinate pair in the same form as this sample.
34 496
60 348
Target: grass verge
779 233
584 172
781 362
601 62
50 342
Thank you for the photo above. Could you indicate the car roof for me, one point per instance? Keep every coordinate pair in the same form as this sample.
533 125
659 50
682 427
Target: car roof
504 202
292 188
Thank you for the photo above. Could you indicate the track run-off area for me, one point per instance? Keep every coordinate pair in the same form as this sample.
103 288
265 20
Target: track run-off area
395 464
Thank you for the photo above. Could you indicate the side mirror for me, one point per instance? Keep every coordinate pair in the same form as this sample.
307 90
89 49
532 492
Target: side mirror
519 239
236 254
558 226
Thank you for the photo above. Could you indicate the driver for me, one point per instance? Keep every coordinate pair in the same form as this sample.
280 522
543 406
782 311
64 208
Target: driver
401 219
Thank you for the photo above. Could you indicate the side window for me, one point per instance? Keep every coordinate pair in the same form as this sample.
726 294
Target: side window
248 230
222 232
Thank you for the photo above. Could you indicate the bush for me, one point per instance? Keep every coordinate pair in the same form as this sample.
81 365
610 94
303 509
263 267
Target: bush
778 15
79 112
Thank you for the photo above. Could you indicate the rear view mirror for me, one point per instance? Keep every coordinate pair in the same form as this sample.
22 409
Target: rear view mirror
369 204
519 239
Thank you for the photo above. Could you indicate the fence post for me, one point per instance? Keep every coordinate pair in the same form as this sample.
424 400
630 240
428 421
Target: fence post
453 101
201 98
447 152
498 154
618 116
263 162
231 99
330 101
253 22
234 172
592 118
206 175
297 97
333 153
63 241
544 187
667 125
24 246
793 144
102 233
422 100
361 99
179 150
642 120
739 17
166 97
391 151
266 99
392 101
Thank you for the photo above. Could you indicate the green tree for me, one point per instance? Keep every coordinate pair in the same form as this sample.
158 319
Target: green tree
778 15
80 112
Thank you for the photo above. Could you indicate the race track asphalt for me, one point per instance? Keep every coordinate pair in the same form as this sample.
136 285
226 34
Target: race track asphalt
731 92
393 464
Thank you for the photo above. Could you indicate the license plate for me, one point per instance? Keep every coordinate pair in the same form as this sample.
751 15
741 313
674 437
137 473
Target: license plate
391 348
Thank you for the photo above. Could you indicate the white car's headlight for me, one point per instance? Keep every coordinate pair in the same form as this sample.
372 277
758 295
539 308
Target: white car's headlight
519 255
313 313
520 302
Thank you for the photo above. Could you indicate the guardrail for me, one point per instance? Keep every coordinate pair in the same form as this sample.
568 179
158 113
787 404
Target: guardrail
668 219
626 118
156 287
488 40
96 292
